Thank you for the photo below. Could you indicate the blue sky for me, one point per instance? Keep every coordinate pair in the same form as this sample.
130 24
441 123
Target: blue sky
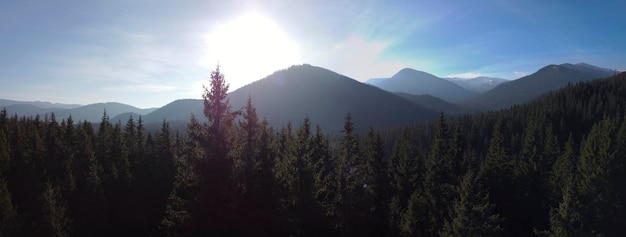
148 53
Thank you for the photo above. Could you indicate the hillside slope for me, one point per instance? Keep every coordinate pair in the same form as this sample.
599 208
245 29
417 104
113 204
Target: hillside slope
415 82
525 89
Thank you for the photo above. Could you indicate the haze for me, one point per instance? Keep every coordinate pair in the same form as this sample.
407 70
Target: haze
148 53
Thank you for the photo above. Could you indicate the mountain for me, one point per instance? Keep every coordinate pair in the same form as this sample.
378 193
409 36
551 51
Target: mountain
27 110
91 112
326 97
525 89
477 84
419 83
178 110
94 112
38 104
433 103
305 90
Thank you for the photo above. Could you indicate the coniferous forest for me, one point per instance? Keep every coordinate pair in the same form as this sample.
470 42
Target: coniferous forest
552 167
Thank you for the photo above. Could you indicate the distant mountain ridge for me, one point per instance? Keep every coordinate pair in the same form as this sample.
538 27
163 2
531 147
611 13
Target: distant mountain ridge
525 89
91 112
326 97
38 104
433 103
415 82
477 84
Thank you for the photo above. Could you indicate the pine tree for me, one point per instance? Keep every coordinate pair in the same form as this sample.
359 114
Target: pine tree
497 174
244 163
8 212
5 154
404 168
376 182
348 189
182 197
216 188
566 219
415 217
286 176
55 212
563 168
404 176
595 168
529 207
439 178
472 214
323 183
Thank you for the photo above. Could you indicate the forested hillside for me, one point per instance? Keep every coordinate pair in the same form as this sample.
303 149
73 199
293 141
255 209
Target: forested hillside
528 88
555 167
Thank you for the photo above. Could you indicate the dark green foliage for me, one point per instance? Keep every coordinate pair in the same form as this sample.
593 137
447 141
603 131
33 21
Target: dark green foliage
55 212
498 174
471 213
548 78
8 213
595 183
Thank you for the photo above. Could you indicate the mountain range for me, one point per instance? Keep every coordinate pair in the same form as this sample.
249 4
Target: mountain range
415 82
477 84
91 112
525 89
326 97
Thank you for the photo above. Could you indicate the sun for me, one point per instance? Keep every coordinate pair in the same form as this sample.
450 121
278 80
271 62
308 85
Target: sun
249 48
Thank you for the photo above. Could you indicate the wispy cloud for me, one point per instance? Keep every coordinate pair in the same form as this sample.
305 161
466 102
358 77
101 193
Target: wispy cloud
521 74
127 64
357 58
466 75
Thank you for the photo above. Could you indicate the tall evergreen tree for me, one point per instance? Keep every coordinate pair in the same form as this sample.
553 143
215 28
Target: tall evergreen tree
472 214
8 213
439 178
55 212
182 196
595 168
286 176
375 180
323 176
216 188
565 220
348 190
404 174
496 172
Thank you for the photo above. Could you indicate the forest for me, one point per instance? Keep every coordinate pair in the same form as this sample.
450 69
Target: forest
552 167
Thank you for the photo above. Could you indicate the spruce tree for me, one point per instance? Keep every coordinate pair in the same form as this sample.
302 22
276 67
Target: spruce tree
404 176
348 190
8 212
472 214
375 181
182 197
216 187
439 177
55 212
595 168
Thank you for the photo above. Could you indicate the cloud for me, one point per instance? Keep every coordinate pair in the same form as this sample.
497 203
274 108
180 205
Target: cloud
357 58
521 74
466 75
129 66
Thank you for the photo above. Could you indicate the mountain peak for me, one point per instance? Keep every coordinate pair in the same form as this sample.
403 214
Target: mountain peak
410 71
548 78
416 82
585 67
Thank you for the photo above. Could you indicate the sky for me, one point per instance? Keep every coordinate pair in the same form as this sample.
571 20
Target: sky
148 53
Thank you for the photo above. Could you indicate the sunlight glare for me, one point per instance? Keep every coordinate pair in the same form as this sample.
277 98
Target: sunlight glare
249 48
